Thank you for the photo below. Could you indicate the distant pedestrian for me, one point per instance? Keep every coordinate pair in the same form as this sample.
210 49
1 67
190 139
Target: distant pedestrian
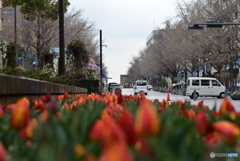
34 64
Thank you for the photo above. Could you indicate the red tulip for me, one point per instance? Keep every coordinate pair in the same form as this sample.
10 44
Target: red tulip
20 114
228 131
3 154
147 122
117 152
46 98
226 107
144 149
202 123
107 132
66 96
126 122
212 139
120 99
65 106
2 113
39 105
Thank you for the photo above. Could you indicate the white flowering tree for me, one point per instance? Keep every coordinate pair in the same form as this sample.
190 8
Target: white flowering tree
92 69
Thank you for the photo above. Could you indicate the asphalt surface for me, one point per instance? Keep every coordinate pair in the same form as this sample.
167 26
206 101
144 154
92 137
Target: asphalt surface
208 101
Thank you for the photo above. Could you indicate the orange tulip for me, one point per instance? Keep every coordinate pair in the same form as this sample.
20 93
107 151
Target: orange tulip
27 132
202 124
117 152
228 131
65 106
107 132
79 150
126 122
20 114
44 116
3 154
191 114
147 122
226 107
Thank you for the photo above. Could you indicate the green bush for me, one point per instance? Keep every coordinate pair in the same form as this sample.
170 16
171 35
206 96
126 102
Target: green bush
40 75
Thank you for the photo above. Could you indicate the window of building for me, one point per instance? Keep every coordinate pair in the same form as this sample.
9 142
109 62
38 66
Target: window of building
7 12
9 20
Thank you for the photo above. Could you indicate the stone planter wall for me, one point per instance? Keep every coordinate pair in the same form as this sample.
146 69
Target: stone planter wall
13 88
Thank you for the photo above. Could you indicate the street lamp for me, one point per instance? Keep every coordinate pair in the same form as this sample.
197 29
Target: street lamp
213 24
61 65
100 79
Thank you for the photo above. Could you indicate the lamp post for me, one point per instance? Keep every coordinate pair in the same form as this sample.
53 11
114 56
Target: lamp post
100 79
61 60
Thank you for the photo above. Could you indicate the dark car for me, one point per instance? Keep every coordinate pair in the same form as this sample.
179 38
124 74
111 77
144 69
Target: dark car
126 85
111 85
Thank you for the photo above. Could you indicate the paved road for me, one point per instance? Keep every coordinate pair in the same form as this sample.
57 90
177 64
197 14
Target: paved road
209 101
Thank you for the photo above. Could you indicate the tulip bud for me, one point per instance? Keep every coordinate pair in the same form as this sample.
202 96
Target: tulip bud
202 123
20 114
27 132
147 122
212 139
226 107
107 132
228 131
126 122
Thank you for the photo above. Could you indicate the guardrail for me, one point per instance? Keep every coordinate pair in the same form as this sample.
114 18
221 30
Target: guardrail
13 88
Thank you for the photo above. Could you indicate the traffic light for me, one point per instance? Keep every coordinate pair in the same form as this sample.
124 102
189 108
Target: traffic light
195 27
214 24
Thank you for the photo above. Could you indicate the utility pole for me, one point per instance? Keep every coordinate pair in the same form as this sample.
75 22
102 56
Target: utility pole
61 60
100 79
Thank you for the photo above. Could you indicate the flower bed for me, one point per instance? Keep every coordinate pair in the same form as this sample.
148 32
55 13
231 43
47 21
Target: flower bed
109 127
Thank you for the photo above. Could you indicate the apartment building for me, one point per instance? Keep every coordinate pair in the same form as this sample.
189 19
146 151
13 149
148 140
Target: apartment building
8 19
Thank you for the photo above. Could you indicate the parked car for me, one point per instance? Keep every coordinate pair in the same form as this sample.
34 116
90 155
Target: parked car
140 86
204 86
111 85
126 84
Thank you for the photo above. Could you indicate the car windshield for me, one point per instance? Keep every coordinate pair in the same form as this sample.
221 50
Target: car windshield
141 83
112 84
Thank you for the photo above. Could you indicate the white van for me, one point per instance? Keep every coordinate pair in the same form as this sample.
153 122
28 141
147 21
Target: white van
205 86
140 86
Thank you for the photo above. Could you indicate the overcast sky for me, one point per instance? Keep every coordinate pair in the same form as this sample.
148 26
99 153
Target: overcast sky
125 26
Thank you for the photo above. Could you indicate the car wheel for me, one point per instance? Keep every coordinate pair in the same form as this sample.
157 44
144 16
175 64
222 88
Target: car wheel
191 97
221 95
145 93
195 96
135 93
